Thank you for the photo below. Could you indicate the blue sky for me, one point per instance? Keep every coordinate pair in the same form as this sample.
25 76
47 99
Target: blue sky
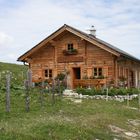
24 23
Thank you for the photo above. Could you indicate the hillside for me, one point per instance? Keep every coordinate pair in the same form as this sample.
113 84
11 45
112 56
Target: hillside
17 72
14 68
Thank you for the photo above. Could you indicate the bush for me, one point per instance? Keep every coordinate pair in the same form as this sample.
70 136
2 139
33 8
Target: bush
89 91
60 76
111 91
133 91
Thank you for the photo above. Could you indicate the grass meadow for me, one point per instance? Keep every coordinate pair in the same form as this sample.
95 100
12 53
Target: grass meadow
67 120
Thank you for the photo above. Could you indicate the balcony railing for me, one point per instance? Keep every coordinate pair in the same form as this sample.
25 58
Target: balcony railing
89 82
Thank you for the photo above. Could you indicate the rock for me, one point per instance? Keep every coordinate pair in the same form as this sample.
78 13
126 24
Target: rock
131 134
119 99
134 122
116 129
80 96
134 96
68 92
116 139
77 101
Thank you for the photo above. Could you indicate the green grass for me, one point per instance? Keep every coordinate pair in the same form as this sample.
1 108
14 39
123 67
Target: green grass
64 120
18 74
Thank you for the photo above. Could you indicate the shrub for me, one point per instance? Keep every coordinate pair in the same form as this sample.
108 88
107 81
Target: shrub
60 76
89 91
133 91
111 91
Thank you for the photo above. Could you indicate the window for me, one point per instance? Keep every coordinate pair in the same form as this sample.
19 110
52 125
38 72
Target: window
70 47
97 72
48 73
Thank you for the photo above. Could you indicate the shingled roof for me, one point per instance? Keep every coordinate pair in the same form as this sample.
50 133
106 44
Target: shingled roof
85 36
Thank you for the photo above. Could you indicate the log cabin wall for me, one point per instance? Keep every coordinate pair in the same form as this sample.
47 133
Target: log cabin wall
130 71
66 63
97 57
51 57
51 60
89 56
41 60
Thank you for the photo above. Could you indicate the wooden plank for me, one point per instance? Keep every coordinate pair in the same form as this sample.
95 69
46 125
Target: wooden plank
69 59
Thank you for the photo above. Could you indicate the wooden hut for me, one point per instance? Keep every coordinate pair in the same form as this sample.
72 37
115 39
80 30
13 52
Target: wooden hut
85 59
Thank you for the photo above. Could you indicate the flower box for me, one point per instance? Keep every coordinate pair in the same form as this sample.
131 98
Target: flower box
70 52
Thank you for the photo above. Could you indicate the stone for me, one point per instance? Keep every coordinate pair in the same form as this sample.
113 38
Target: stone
131 134
77 101
68 92
80 96
134 122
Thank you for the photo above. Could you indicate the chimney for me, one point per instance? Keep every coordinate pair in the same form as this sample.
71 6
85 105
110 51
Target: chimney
92 31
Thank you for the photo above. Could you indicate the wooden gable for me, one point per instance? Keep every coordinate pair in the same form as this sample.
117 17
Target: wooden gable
60 32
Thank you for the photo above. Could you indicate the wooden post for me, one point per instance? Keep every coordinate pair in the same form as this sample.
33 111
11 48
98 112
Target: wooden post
8 78
22 75
27 100
41 93
0 76
29 77
128 99
107 94
59 90
139 95
49 89
53 92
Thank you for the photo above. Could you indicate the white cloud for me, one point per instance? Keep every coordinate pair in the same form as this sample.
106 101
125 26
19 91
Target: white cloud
5 39
29 22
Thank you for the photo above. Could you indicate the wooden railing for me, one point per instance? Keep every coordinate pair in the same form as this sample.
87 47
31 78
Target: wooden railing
89 82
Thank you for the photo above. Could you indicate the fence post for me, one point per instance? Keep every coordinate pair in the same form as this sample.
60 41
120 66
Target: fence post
29 77
128 99
27 100
0 76
107 94
22 75
53 92
41 93
139 95
139 102
59 90
8 78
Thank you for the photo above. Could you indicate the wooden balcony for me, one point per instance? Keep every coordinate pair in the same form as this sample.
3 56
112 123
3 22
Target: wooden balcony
89 82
